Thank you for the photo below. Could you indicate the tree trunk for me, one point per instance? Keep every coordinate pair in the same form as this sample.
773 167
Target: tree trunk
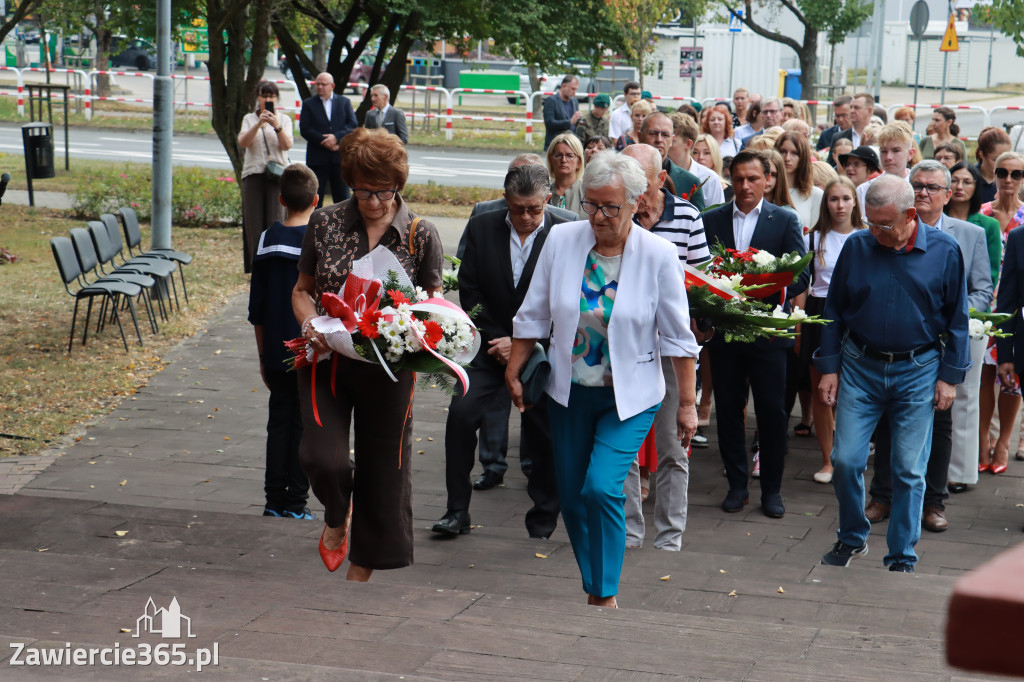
103 39
809 64
320 48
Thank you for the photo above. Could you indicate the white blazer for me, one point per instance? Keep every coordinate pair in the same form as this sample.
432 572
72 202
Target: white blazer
650 317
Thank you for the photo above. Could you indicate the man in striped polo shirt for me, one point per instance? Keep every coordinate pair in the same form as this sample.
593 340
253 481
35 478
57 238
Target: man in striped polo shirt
678 221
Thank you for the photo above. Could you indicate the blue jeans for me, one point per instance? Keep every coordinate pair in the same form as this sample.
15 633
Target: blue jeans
593 450
905 391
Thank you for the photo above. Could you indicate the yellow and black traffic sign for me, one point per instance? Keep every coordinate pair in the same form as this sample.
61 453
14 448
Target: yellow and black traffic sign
949 39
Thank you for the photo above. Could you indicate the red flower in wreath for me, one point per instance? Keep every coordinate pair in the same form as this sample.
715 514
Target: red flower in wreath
397 296
433 333
367 324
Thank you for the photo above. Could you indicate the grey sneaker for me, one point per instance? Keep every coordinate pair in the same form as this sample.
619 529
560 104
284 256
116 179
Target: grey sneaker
841 554
699 440
901 567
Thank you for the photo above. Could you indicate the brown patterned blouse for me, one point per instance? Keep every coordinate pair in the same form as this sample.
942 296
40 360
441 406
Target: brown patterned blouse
335 237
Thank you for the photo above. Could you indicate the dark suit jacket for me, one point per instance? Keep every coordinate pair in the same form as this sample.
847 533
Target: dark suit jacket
827 137
778 232
314 126
394 122
1010 299
555 120
485 278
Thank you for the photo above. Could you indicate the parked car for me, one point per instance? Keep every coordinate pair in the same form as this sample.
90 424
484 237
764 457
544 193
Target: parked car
286 70
132 52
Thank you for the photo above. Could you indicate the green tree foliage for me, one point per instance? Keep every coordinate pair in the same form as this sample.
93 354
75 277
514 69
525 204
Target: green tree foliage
1008 17
17 12
834 18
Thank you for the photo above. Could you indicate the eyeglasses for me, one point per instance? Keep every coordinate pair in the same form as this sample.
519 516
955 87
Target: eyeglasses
381 194
880 226
1003 173
525 210
609 210
930 189
564 157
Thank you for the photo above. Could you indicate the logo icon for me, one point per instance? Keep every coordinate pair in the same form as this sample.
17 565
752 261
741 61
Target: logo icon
164 622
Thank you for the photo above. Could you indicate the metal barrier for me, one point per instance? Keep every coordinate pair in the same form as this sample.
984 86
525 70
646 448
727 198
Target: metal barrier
995 113
94 98
487 91
21 88
956 107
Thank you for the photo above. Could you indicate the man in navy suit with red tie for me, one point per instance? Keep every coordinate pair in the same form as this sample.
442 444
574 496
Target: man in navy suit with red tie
324 120
758 367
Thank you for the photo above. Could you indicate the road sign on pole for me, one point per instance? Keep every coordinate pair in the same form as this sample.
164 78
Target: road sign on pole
736 21
949 39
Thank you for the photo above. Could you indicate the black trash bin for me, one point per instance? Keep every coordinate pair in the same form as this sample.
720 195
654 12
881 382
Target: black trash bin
37 139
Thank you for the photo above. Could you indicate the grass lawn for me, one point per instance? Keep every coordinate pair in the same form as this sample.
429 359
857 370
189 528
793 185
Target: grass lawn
45 392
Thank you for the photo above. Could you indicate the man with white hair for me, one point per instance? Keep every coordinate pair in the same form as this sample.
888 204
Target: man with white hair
897 346
678 221
954 431
383 115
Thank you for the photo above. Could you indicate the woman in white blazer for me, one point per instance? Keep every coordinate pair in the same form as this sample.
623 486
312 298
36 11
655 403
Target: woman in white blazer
610 296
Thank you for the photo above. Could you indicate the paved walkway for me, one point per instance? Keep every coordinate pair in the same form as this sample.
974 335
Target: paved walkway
162 499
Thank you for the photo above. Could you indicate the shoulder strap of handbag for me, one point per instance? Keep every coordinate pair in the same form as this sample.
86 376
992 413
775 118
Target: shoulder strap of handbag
264 132
412 234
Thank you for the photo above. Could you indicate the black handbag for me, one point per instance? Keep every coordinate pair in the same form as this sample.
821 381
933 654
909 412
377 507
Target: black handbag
273 169
534 375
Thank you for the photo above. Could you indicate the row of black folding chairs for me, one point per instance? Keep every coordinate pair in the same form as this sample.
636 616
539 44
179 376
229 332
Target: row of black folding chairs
94 258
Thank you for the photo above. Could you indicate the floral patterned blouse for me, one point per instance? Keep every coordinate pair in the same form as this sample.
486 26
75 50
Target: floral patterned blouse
335 237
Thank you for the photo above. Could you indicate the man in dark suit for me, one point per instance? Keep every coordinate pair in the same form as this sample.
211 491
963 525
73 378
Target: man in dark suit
323 121
561 110
501 252
751 222
841 116
383 115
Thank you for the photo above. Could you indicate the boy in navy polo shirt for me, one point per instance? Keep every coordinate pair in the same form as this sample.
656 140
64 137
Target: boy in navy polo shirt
274 273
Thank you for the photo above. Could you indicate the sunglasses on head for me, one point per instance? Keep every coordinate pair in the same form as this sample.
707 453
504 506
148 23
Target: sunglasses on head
1003 173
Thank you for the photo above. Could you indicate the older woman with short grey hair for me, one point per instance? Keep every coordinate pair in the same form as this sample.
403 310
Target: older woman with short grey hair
607 338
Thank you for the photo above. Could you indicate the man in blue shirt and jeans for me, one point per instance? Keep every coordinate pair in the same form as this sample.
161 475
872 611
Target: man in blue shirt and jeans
897 345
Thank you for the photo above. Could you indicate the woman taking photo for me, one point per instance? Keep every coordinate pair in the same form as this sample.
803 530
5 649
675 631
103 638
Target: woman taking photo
944 129
565 164
806 198
368 503
607 338
266 136
840 216
718 124
1008 210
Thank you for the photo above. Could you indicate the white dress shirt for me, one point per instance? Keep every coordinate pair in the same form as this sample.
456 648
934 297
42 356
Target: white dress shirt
619 122
327 106
520 252
743 225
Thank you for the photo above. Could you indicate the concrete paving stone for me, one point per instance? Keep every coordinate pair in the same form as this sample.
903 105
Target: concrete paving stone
327 651
805 671
468 666
495 639
320 623
624 658
52 567
594 674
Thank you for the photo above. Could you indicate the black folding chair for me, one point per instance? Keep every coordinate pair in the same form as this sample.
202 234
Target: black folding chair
133 237
89 260
110 291
151 265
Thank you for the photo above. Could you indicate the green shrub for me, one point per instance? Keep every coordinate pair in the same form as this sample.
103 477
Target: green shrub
200 197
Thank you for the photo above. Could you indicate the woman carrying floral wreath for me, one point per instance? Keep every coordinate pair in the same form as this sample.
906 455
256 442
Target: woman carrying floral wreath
368 505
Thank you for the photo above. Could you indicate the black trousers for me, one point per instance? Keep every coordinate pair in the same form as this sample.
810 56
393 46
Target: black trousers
466 414
734 368
284 483
330 174
379 482
935 490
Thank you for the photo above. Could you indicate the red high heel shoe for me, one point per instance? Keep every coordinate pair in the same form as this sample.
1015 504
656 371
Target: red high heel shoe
998 468
333 558
982 468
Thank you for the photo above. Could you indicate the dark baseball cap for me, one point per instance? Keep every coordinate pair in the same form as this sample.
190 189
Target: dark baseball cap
865 154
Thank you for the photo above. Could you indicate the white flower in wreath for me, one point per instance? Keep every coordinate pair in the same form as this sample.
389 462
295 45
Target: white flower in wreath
763 259
977 329
421 295
779 313
798 314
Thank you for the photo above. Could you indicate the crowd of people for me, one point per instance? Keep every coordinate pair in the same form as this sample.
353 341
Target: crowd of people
578 264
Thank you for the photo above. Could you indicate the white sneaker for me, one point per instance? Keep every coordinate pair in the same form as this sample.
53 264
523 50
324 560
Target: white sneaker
823 477
757 465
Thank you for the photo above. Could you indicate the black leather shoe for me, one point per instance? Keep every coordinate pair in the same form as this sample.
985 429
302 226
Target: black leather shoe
453 523
734 501
772 506
487 480
957 487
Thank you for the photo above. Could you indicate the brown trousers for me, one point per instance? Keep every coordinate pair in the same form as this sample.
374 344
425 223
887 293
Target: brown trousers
379 482
260 208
